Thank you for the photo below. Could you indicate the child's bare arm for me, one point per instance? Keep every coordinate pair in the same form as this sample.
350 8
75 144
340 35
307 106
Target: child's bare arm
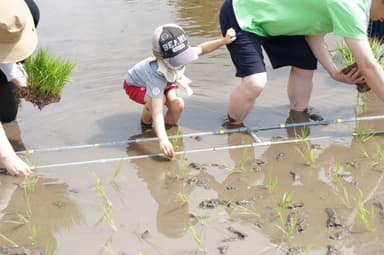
209 46
158 121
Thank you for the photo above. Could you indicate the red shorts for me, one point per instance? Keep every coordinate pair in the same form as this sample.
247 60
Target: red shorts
137 93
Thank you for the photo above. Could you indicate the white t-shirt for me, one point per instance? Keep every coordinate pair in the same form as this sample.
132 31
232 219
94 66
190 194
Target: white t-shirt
12 71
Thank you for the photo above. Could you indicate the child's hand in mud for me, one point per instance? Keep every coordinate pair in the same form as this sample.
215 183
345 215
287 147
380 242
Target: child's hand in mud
230 36
167 149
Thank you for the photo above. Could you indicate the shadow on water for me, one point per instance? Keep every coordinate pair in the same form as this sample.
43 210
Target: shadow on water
254 200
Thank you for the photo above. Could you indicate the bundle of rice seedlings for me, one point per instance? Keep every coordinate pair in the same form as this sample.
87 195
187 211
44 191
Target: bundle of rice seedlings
346 59
47 76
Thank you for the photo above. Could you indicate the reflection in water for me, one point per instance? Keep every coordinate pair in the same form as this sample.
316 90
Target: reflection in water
161 177
33 210
35 215
200 17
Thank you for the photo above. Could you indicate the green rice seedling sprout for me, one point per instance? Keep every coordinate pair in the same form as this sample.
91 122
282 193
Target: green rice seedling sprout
27 158
47 74
367 217
244 211
339 171
308 152
25 221
271 183
345 57
197 239
182 197
32 233
27 203
290 228
50 250
107 247
182 169
31 183
345 198
177 139
364 152
286 201
11 242
117 170
106 204
379 152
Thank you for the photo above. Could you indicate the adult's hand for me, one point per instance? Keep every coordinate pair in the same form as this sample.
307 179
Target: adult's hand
352 76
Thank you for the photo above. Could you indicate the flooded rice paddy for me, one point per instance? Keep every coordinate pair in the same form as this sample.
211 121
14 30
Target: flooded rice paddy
322 195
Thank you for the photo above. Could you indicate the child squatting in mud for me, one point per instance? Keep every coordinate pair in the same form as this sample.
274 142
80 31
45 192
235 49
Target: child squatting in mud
152 81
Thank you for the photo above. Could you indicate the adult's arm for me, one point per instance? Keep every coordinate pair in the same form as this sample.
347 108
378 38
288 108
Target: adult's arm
319 48
368 65
9 158
158 121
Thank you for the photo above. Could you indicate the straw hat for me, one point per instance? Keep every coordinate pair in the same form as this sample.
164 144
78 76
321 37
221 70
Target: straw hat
18 37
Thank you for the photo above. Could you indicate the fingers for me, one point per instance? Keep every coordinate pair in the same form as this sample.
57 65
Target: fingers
16 167
231 35
353 76
167 149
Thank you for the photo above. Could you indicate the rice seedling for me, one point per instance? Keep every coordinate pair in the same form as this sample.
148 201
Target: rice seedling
379 152
50 250
244 212
47 76
182 169
367 217
364 152
307 152
285 203
271 183
107 247
11 242
183 198
25 221
291 226
345 57
345 198
106 206
177 140
339 171
117 171
31 183
347 60
197 238
32 233
27 158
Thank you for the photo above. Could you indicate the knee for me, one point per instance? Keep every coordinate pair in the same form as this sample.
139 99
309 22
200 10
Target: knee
176 105
253 85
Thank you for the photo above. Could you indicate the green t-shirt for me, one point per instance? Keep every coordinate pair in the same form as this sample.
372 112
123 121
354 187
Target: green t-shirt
346 18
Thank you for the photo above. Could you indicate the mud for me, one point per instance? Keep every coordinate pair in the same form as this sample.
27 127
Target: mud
226 201
37 99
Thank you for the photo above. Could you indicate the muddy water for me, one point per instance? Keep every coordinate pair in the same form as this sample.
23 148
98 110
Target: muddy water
227 201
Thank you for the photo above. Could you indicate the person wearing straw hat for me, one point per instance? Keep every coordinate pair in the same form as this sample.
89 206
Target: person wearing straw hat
18 40
292 34
152 81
